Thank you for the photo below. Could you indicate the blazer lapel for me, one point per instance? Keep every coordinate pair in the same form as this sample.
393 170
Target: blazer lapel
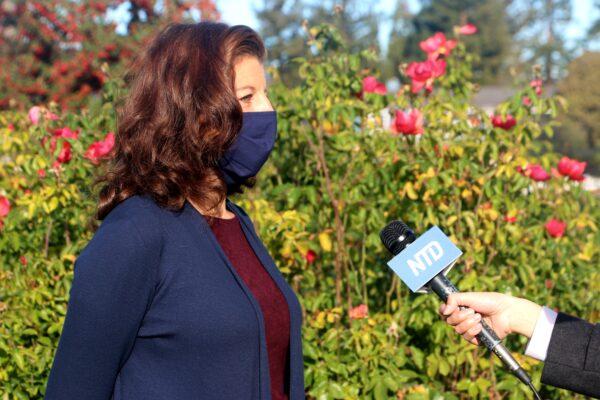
202 228
296 358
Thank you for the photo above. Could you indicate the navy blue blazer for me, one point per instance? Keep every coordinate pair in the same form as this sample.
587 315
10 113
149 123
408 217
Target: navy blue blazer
156 311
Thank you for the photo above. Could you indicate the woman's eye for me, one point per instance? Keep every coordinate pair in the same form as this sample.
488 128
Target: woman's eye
247 97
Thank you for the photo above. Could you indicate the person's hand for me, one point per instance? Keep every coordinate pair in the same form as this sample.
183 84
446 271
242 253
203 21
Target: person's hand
504 314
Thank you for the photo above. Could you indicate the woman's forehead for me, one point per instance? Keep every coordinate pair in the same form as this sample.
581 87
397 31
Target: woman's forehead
249 73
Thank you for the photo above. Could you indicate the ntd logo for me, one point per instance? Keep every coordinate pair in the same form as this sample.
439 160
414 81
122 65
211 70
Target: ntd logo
425 257
431 253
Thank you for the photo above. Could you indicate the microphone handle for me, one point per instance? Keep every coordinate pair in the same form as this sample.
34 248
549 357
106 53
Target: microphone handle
442 286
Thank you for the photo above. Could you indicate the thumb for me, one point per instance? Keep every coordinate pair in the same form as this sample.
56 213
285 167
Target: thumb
480 302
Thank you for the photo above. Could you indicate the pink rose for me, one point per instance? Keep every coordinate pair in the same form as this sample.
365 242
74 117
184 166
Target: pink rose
408 123
468 29
537 85
4 206
372 85
538 173
359 312
437 45
36 112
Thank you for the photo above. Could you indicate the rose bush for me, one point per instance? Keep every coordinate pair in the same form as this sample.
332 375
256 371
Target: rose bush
350 157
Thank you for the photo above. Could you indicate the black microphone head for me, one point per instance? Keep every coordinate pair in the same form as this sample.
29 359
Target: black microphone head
396 236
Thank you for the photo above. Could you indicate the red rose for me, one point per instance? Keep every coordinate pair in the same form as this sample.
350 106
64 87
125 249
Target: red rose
65 152
555 228
571 168
100 148
23 260
65 132
510 219
423 74
310 256
503 123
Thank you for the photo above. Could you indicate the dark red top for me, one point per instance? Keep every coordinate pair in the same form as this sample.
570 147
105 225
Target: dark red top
273 305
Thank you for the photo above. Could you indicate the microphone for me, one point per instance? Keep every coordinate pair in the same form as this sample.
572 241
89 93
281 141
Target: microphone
422 264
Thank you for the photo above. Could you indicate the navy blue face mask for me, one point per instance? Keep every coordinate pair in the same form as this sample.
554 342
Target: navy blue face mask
252 147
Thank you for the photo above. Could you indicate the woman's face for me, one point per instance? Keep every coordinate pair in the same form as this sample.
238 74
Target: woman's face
251 85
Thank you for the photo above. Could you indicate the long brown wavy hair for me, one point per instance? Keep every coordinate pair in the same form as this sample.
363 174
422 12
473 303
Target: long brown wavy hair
179 117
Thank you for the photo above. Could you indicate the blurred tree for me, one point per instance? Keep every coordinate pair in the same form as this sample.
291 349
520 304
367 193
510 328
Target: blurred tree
357 21
580 135
492 42
281 30
542 39
594 30
401 21
53 49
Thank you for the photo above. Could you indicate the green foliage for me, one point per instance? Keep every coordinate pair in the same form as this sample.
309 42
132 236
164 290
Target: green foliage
336 177
336 162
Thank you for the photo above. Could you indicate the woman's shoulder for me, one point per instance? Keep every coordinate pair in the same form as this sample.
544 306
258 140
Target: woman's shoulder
137 215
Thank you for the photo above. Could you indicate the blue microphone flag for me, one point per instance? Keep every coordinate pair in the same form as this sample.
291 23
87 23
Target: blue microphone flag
430 254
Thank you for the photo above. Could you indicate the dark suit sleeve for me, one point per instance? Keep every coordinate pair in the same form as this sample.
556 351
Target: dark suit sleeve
573 358
113 284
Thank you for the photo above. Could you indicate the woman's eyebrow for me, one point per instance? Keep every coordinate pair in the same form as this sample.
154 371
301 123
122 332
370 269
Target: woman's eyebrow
245 87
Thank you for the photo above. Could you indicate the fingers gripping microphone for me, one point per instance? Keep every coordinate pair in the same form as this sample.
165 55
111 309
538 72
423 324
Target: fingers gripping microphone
423 265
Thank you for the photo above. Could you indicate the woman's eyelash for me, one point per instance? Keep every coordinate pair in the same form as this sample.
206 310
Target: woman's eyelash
247 97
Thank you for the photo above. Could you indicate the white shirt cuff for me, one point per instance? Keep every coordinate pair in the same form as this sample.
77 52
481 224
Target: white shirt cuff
542 332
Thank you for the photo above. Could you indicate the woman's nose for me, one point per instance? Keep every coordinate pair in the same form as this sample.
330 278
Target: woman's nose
264 104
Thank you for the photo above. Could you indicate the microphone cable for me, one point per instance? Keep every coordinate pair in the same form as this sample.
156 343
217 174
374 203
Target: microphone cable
535 392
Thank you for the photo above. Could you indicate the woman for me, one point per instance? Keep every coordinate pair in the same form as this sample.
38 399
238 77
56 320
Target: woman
175 296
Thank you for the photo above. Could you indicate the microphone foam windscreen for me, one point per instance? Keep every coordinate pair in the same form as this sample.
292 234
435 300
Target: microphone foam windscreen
396 236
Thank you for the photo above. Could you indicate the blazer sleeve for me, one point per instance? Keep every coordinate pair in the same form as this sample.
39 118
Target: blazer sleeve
112 287
573 359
